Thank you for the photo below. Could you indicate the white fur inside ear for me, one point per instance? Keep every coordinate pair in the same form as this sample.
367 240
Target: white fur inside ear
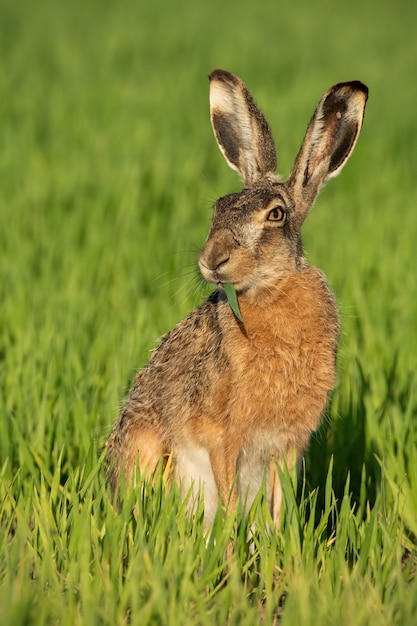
229 104
333 134
220 97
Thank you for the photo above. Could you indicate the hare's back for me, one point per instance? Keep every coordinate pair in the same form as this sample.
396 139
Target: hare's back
185 373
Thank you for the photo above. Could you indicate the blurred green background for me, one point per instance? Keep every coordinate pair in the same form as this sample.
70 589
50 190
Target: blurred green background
108 172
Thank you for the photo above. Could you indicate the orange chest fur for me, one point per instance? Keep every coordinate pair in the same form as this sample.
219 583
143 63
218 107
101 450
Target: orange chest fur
284 368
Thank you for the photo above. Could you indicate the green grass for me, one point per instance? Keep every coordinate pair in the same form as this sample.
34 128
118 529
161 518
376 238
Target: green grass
108 170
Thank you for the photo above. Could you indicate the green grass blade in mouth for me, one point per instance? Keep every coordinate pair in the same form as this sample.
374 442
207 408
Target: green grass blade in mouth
232 298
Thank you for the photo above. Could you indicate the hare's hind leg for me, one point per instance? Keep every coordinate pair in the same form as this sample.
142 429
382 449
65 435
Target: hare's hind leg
145 451
136 448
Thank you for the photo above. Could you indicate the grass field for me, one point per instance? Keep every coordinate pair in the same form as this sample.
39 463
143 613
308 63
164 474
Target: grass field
108 171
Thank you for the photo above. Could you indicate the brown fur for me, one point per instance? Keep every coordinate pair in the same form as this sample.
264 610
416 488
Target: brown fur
228 400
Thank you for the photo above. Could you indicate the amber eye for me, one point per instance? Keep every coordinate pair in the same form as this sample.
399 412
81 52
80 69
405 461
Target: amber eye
277 214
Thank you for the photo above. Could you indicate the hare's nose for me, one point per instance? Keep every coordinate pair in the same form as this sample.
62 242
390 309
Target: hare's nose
222 260
213 262
216 252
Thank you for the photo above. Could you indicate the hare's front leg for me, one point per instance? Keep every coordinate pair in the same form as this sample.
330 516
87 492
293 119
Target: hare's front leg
223 459
274 491
290 460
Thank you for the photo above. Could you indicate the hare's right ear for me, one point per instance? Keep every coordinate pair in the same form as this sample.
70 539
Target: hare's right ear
241 130
329 141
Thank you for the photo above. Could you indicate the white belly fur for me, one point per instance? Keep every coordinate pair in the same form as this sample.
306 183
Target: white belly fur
193 471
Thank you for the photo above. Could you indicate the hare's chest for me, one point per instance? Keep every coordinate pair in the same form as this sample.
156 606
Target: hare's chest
265 373
281 380
282 361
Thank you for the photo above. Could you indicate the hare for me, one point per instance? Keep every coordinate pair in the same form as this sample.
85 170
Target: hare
229 400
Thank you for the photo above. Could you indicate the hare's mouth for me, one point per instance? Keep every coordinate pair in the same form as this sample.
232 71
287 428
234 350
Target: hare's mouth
213 274
221 285
231 271
240 287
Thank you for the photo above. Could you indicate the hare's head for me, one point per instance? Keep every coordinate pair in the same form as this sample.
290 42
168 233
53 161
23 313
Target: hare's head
254 237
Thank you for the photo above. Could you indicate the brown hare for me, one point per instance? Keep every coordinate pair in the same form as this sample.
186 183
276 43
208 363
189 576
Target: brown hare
229 400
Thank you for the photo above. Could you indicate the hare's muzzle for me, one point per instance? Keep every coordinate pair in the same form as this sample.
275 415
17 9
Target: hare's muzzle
215 256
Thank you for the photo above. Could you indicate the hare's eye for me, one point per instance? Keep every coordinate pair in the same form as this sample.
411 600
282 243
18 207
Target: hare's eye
277 214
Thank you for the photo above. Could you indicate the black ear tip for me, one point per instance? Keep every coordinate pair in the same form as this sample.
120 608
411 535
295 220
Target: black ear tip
223 76
213 75
352 86
357 85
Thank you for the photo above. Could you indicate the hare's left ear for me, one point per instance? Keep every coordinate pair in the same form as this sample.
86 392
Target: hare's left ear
329 141
241 130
